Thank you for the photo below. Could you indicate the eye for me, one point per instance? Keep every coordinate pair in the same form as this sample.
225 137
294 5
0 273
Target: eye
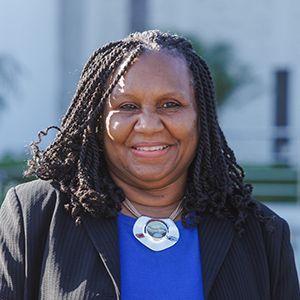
128 107
170 105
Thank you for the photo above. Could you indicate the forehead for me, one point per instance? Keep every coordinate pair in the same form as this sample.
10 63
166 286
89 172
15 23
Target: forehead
162 59
156 70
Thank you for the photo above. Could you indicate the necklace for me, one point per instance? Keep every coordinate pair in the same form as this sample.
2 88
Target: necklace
155 233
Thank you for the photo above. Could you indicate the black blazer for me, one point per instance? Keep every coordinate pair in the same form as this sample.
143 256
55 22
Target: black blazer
44 255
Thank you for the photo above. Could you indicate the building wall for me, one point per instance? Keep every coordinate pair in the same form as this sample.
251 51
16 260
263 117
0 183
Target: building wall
51 58
263 34
28 31
263 37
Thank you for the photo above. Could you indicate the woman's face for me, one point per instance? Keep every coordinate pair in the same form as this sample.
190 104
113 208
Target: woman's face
151 122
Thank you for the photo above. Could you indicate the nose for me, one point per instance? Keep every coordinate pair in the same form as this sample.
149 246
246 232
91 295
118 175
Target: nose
148 122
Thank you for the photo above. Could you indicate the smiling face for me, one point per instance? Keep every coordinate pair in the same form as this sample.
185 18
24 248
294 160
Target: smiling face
151 123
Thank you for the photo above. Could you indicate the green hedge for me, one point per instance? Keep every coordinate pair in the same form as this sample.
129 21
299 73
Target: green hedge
271 183
11 174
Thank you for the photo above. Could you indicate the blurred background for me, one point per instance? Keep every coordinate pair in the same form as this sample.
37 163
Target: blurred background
252 48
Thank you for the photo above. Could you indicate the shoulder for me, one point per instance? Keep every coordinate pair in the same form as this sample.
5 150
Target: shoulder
38 196
273 223
268 226
280 256
271 235
35 188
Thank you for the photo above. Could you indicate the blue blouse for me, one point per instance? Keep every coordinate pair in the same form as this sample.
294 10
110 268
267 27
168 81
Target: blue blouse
173 273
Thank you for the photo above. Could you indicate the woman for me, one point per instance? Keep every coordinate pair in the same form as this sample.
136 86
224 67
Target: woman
139 195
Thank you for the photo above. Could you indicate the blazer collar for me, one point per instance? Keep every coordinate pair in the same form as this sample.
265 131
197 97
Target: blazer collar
104 235
215 236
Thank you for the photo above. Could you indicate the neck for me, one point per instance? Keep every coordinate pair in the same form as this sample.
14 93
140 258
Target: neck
153 202
131 208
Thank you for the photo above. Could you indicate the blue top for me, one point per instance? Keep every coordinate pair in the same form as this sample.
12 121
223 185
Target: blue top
173 273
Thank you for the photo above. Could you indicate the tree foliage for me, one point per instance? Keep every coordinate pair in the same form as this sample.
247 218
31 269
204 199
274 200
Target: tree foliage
227 72
10 72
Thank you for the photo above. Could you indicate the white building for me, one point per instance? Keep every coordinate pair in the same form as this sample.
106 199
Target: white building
51 40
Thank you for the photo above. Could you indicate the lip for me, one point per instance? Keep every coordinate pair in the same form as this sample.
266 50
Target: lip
151 150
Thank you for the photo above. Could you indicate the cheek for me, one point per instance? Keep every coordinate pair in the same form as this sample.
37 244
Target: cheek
193 136
187 127
117 128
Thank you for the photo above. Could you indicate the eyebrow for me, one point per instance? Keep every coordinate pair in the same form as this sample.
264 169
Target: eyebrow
165 95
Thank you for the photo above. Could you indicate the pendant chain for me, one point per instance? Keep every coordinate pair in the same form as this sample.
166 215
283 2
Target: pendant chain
137 214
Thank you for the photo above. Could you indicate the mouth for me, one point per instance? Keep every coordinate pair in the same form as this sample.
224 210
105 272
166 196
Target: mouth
151 148
151 151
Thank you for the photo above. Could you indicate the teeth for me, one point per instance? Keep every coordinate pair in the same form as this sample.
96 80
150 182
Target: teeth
152 148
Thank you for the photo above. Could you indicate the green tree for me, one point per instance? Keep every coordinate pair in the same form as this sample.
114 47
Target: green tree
11 168
228 73
10 72
11 173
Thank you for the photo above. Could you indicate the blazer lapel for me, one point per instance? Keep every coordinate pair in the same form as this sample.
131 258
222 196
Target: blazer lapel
215 239
104 235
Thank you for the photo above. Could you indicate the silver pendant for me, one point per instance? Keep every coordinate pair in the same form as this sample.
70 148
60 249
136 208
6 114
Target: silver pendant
156 234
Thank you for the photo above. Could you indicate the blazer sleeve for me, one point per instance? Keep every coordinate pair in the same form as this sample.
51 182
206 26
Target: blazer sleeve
287 286
12 248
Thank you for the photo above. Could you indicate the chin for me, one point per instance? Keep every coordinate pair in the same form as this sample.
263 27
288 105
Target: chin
157 179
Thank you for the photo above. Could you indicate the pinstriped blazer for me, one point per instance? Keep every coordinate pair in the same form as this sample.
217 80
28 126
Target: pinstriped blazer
44 255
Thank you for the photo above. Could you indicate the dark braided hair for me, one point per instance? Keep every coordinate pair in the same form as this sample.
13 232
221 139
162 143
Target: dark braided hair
75 160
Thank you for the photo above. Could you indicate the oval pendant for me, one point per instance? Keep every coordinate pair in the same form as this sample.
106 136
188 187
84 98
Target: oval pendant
156 234
157 229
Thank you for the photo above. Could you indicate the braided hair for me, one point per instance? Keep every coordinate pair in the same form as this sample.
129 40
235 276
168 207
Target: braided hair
75 159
